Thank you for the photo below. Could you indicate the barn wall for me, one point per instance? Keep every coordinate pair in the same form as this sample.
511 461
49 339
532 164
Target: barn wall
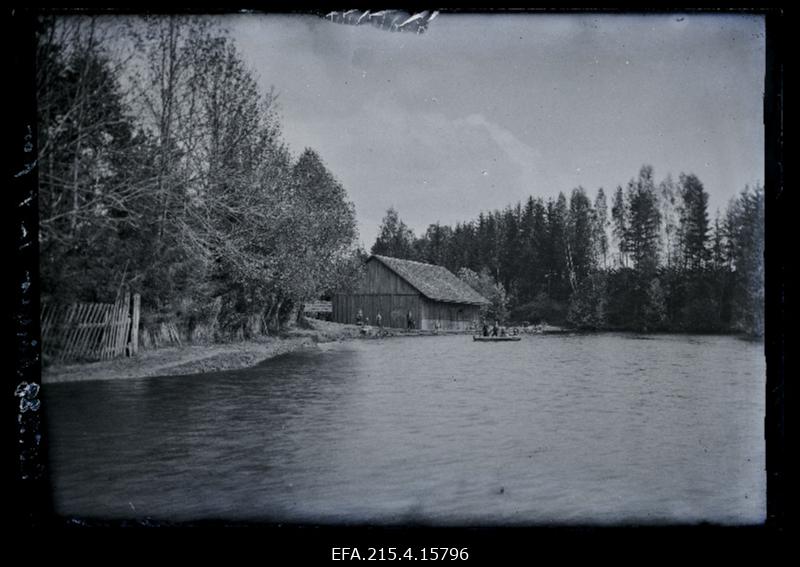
380 279
381 291
451 316
393 308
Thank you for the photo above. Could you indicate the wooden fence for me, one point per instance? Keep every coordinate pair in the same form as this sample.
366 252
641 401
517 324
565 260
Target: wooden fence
91 331
165 334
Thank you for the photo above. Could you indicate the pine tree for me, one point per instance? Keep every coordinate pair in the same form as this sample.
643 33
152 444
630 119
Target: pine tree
643 222
556 252
509 249
395 239
582 230
693 223
746 235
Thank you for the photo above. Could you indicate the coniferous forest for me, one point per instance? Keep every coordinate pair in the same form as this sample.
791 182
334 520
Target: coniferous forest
646 257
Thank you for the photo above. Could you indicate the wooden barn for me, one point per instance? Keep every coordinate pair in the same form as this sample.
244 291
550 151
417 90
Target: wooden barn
395 287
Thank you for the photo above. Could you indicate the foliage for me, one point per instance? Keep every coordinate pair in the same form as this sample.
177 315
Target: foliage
745 234
587 308
163 170
542 309
484 284
656 264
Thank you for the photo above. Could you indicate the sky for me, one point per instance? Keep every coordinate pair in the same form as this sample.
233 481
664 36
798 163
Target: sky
482 111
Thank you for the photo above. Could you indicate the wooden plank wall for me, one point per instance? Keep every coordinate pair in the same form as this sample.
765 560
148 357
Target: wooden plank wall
392 307
89 331
380 279
451 316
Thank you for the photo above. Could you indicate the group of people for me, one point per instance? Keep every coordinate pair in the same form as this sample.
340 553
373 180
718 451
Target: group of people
494 331
497 331
364 321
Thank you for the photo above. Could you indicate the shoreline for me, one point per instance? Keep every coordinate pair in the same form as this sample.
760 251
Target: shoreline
218 357
200 358
193 359
176 361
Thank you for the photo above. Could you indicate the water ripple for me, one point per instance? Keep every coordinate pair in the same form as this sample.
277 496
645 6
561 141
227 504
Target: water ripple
583 428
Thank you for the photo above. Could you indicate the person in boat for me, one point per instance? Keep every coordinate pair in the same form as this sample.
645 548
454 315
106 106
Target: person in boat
495 329
502 331
485 329
359 317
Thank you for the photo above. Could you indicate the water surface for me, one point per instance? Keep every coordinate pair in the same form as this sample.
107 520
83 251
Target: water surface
610 428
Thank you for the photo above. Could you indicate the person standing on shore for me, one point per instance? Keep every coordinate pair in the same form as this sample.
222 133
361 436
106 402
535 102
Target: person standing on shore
379 320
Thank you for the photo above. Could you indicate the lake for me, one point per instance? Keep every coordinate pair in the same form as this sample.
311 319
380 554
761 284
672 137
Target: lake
576 429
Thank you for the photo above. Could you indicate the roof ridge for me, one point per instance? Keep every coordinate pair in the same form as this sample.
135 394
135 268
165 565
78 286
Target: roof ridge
409 261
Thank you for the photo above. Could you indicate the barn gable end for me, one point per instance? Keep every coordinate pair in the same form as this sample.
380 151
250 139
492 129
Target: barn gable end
380 279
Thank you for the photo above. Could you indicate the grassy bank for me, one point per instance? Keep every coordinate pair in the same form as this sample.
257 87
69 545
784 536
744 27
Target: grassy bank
196 359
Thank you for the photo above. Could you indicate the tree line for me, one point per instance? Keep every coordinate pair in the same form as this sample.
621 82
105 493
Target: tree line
647 257
162 170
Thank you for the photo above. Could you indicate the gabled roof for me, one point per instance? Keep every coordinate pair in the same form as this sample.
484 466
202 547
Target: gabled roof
434 282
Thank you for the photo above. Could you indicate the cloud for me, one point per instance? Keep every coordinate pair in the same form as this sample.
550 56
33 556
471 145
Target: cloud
526 157
427 165
541 104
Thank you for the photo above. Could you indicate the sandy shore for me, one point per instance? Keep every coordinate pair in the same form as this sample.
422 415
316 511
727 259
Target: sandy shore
196 359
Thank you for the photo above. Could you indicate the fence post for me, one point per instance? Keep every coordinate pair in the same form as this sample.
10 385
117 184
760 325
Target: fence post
137 299
124 324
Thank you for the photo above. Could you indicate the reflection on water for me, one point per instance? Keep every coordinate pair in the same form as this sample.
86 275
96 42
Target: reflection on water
440 430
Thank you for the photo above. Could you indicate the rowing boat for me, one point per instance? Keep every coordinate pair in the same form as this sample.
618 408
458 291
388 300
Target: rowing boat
496 339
